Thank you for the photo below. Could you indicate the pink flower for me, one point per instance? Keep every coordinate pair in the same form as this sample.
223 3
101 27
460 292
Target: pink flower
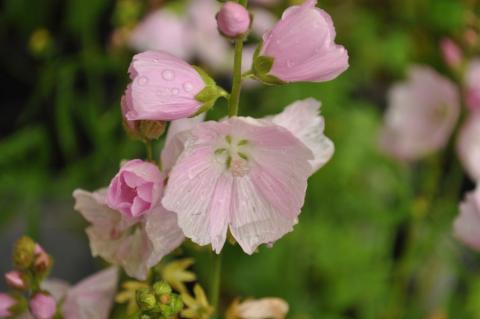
421 115
165 31
136 189
473 85
233 20
43 306
165 88
467 224
14 279
6 302
301 47
134 244
242 174
468 145
271 308
452 54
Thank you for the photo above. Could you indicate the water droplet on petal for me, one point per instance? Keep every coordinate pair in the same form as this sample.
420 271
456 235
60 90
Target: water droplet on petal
143 80
290 63
175 91
187 86
156 60
168 75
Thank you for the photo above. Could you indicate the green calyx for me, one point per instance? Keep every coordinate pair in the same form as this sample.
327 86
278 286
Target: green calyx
158 301
210 93
261 67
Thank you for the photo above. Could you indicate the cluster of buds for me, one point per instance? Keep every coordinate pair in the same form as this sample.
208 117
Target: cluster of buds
158 301
32 264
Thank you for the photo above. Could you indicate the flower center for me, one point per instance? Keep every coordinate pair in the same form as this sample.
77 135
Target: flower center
232 152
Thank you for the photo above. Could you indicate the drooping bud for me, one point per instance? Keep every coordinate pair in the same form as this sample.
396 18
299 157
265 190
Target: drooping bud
43 306
15 279
233 20
24 252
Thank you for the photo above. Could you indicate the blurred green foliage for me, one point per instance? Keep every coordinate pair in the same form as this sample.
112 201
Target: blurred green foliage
62 79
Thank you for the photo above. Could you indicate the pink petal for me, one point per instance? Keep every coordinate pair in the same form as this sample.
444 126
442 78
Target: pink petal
468 145
467 224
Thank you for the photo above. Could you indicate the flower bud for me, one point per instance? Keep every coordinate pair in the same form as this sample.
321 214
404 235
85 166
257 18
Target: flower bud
43 306
43 261
6 305
452 54
24 252
233 20
15 280
161 288
146 299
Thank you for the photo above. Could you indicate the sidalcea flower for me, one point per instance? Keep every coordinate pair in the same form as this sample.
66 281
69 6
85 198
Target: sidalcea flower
166 88
15 279
136 189
300 47
467 224
233 20
265 308
244 175
472 81
42 306
6 303
421 115
468 145
134 244
452 54
163 30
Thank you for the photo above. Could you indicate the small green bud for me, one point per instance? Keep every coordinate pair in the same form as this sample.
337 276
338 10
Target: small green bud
24 253
146 299
161 288
176 303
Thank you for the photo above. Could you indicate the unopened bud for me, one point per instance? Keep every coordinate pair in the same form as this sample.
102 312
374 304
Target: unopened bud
233 20
146 299
43 261
15 280
24 252
43 306
161 287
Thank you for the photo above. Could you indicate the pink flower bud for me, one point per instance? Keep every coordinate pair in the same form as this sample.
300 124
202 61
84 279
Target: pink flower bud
166 88
452 54
472 82
6 303
136 189
301 47
43 306
233 20
14 279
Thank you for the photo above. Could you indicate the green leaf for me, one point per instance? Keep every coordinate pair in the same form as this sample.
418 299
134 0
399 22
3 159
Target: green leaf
262 64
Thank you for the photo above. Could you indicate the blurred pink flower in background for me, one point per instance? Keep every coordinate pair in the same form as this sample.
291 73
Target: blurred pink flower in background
14 279
136 189
163 30
472 82
468 145
421 115
467 223
303 47
263 21
134 244
163 88
246 175
271 308
6 302
452 54
42 306
233 20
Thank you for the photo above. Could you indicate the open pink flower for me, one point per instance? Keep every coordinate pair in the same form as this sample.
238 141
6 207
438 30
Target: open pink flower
163 88
163 30
467 224
301 47
43 306
6 302
136 189
468 145
473 85
242 174
421 115
134 244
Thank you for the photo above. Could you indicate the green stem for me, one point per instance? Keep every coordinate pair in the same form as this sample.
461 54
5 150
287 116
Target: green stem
237 79
215 283
149 148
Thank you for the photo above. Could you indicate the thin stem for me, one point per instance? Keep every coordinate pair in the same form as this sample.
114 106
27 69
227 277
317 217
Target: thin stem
215 283
149 148
237 79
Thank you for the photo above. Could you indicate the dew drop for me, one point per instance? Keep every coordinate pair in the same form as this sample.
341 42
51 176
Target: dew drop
290 63
156 60
175 91
187 86
143 80
168 75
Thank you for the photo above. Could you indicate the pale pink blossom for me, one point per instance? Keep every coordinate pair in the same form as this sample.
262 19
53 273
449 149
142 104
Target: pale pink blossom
452 54
163 30
14 279
302 45
42 306
472 82
134 244
421 115
136 189
163 88
6 303
233 20
467 224
242 174
266 308
468 145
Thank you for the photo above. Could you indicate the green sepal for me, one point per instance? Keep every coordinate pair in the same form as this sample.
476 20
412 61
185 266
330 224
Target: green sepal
262 64
210 93
204 75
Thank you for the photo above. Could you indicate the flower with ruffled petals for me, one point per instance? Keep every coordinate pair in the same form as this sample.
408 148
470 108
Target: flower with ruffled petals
421 116
467 224
265 308
233 20
166 88
135 244
301 47
472 81
43 306
468 145
6 303
246 175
